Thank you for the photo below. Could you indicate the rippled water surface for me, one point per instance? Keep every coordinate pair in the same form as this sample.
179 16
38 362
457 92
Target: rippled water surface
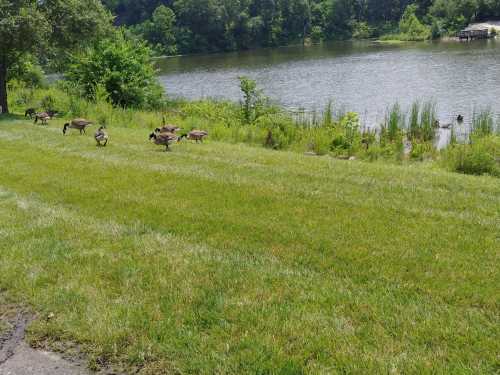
364 77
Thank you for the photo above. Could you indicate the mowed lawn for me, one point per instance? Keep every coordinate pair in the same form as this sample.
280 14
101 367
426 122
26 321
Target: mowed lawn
229 259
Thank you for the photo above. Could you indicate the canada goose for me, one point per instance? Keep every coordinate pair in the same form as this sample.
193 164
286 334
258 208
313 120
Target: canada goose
195 135
30 112
163 139
52 113
79 124
101 136
167 129
44 117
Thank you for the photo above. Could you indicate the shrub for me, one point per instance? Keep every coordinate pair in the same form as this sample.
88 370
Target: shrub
361 30
254 103
29 73
123 67
280 130
477 158
316 34
410 26
421 151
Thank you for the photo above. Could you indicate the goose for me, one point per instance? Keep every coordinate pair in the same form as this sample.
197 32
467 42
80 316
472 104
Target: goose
195 135
44 117
52 113
79 124
30 112
101 136
163 139
167 129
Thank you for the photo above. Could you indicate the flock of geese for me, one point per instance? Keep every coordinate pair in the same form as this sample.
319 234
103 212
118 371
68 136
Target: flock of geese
164 136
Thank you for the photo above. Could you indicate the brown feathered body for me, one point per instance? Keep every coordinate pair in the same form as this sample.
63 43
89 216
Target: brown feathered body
163 139
195 135
44 117
101 137
78 124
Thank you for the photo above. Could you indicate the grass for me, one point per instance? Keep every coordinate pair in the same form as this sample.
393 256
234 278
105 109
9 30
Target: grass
226 258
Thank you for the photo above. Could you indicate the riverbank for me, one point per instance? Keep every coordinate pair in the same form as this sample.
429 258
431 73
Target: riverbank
234 259
405 136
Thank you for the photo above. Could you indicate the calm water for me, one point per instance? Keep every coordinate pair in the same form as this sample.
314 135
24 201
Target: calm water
363 77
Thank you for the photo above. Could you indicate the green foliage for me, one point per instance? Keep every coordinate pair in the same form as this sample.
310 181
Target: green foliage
361 30
483 123
317 34
29 72
393 125
46 28
215 25
410 26
159 31
123 67
254 102
481 156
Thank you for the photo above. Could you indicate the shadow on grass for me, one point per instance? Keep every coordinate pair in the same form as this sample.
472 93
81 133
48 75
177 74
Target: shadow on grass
11 117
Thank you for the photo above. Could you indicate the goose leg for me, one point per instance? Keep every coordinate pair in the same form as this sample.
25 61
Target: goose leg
105 143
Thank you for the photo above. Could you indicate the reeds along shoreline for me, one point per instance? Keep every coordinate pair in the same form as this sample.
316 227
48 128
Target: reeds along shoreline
404 134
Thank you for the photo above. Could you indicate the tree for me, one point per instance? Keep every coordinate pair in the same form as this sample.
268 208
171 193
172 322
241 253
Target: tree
159 31
121 66
411 27
31 26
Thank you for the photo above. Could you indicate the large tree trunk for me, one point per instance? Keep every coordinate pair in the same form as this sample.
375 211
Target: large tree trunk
4 106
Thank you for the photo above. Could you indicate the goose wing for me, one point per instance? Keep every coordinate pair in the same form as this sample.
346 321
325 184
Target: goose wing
165 138
101 136
81 122
198 133
169 129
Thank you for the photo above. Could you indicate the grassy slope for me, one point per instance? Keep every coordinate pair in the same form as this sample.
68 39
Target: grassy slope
231 259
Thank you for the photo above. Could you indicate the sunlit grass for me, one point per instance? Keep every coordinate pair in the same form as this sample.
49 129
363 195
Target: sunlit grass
225 258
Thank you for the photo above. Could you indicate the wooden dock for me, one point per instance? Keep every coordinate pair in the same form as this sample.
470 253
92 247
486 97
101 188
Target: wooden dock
472 33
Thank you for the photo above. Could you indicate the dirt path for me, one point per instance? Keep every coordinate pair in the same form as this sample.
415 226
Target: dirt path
17 358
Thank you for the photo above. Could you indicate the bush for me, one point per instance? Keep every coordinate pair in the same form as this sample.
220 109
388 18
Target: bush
361 30
316 34
280 130
410 26
123 67
482 156
421 151
29 73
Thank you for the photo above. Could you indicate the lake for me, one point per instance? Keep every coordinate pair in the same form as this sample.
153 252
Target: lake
365 77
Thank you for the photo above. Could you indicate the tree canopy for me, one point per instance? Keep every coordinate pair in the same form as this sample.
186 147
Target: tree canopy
47 28
226 25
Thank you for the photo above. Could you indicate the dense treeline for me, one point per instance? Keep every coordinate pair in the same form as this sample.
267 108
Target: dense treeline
188 26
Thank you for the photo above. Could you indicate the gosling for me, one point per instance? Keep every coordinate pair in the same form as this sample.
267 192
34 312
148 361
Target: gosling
101 137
